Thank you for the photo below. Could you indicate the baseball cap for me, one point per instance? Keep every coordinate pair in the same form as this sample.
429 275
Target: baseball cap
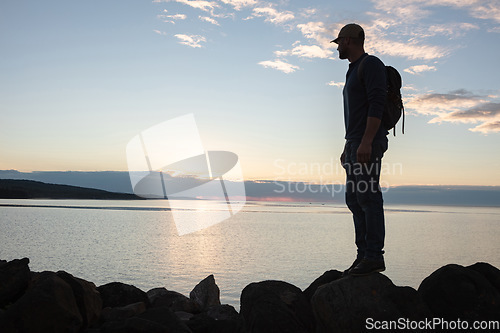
351 30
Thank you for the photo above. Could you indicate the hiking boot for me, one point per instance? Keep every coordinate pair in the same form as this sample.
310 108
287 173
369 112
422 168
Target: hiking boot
354 264
367 267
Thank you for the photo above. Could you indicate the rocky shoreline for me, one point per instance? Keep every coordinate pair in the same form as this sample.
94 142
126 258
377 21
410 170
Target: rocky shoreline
59 302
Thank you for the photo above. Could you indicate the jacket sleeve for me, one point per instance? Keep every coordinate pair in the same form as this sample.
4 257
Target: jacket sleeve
374 76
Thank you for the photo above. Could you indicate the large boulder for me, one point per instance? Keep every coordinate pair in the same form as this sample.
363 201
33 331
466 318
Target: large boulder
86 296
165 317
469 293
217 319
122 313
206 293
350 303
142 320
133 325
48 305
275 306
117 294
327 277
175 301
15 277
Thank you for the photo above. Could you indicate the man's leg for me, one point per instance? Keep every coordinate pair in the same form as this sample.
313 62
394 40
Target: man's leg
369 198
352 201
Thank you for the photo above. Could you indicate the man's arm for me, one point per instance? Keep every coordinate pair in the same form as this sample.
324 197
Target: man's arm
363 155
375 83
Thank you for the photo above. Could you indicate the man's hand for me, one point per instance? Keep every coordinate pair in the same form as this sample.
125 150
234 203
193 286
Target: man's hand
364 153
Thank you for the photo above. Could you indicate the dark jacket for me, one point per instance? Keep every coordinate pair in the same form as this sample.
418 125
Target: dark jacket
364 99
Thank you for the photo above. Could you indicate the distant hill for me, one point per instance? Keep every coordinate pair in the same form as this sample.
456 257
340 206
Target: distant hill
30 189
118 183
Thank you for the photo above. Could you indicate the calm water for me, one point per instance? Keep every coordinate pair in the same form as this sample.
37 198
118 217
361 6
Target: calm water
136 242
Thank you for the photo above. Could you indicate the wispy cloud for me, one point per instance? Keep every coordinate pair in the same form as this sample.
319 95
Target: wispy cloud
306 51
163 33
279 65
459 106
172 18
409 50
336 84
452 30
191 40
317 32
239 4
273 15
209 20
198 4
420 69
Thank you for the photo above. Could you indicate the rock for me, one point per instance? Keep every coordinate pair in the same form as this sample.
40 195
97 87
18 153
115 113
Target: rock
217 319
205 324
153 320
173 300
122 313
15 277
327 277
223 312
87 298
116 294
468 293
165 317
48 305
491 273
133 325
206 293
156 293
184 316
275 306
345 305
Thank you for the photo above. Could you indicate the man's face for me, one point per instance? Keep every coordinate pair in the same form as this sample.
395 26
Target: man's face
342 48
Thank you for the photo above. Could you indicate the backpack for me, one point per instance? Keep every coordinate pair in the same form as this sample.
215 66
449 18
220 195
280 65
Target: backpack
394 108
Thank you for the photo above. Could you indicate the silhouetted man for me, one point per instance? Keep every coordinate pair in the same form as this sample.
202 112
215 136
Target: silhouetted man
366 141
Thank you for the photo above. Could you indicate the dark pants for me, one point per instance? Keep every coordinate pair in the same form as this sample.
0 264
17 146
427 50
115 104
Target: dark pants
364 199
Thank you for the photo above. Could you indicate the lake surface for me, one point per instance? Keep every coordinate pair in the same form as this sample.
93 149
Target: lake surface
136 242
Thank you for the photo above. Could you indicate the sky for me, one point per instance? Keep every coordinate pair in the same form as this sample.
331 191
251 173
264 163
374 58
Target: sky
80 79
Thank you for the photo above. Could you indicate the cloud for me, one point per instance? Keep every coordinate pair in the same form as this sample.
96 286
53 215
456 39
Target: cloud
272 15
487 127
410 50
160 32
308 12
198 4
439 104
336 84
483 111
191 40
209 20
239 4
317 32
459 106
417 9
279 65
172 18
487 10
453 30
307 51
419 69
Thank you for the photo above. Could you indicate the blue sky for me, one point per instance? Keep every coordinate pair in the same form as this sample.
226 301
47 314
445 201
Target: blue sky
82 78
